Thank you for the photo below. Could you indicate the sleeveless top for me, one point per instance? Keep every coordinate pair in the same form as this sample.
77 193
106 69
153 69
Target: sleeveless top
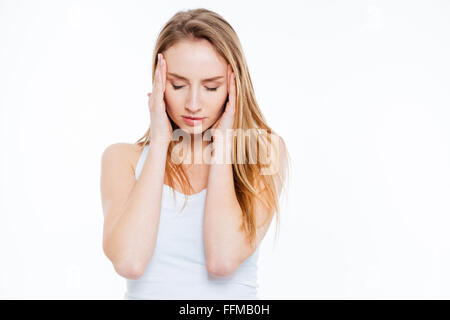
177 269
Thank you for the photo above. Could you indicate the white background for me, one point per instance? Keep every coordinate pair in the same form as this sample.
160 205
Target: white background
359 90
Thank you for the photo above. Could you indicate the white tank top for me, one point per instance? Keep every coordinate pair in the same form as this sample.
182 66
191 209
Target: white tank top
177 269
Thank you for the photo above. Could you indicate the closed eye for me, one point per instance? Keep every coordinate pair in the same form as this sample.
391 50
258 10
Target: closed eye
179 87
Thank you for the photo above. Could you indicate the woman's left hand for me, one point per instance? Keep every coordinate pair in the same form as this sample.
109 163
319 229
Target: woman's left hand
226 120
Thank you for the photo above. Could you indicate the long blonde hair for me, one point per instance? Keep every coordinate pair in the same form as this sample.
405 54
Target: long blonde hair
249 183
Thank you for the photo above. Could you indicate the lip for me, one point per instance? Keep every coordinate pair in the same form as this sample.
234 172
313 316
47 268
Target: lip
193 121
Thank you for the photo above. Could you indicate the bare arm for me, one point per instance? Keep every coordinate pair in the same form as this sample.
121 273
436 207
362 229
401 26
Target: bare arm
226 246
131 208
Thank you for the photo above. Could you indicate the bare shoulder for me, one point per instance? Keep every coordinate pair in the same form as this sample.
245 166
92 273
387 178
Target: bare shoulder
127 153
117 179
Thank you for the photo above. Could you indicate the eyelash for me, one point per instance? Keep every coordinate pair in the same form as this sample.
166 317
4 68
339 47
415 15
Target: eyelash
179 87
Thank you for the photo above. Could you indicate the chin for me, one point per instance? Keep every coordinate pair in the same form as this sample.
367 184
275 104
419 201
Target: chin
193 130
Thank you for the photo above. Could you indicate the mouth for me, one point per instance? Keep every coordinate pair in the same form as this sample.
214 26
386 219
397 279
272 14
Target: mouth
193 120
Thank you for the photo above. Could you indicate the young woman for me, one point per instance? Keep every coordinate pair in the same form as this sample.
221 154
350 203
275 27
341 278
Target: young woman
205 247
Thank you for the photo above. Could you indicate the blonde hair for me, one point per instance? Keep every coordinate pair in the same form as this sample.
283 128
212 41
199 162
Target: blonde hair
249 183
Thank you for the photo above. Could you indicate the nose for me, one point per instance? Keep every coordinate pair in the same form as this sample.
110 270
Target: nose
193 104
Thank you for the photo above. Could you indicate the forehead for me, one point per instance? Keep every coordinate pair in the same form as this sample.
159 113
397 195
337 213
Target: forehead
195 59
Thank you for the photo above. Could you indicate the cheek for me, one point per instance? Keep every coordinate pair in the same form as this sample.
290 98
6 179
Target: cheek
217 101
173 101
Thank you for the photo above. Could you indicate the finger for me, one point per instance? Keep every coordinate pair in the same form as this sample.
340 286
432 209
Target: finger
164 72
228 78
216 125
155 78
229 110
162 75
158 79
160 72
232 96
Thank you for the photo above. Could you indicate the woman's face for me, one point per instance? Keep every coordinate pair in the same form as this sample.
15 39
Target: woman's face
196 84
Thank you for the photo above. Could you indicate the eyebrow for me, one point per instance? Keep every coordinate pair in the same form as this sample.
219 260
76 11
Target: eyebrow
183 78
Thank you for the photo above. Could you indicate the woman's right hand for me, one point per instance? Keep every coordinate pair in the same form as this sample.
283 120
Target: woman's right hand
160 126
